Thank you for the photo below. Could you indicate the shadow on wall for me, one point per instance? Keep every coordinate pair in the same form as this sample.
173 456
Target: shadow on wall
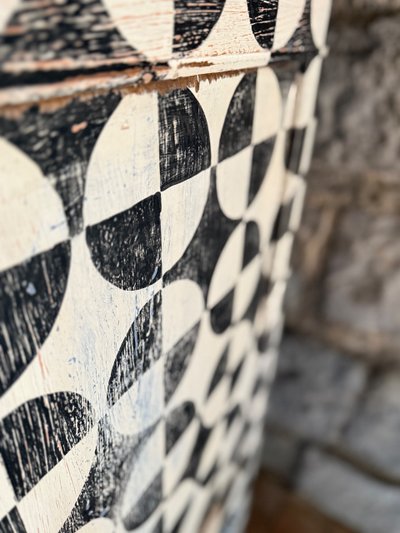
333 429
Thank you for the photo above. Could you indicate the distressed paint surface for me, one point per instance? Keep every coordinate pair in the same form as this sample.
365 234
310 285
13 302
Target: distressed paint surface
139 317
58 47
145 241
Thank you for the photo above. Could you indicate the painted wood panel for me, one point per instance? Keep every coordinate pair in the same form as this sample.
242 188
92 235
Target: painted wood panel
145 236
58 47
145 243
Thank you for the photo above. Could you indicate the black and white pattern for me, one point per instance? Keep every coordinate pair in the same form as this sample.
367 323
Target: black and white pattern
42 42
146 243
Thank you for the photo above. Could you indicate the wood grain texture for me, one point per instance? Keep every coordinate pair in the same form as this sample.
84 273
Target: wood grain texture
151 181
144 240
61 47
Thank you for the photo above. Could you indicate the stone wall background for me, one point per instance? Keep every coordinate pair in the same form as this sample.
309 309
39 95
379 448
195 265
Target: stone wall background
333 431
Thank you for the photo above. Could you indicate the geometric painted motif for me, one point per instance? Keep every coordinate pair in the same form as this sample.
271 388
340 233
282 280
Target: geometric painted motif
46 42
136 342
145 241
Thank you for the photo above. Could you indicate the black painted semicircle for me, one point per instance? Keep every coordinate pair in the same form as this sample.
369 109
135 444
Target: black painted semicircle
194 20
263 14
126 248
31 295
238 126
183 135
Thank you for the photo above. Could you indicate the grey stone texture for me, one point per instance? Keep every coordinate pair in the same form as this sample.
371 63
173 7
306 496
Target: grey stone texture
360 101
280 452
315 391
325 397
352 8
362 283
348 495
336 399
373 435
347 277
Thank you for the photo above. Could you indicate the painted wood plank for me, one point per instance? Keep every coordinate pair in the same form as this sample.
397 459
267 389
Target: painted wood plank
60 47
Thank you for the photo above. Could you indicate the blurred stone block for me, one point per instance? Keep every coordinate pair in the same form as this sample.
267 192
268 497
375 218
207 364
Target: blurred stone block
315 389
374 432
347 7
280 452
359 103
342 492
362 283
